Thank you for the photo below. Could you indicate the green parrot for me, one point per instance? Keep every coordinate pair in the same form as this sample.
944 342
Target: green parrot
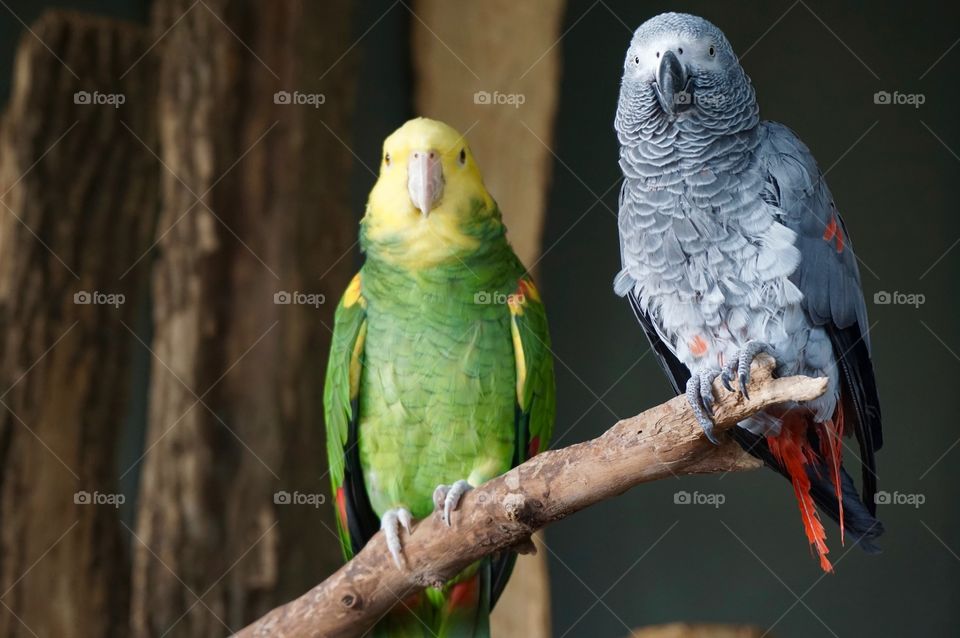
440 375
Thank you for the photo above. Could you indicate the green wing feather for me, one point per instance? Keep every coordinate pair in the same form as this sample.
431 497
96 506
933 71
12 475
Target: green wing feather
536 387
340 391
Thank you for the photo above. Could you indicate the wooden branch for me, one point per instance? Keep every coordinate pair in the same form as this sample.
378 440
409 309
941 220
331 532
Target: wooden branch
661 442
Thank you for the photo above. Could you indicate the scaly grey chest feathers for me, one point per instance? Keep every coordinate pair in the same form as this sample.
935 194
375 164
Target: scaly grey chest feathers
709 262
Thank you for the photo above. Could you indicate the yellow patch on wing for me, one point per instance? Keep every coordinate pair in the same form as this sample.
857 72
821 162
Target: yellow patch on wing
520 359
356 364
515 303
352 294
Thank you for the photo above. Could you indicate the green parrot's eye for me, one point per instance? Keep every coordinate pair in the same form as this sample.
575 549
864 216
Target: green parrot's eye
386 159
463 156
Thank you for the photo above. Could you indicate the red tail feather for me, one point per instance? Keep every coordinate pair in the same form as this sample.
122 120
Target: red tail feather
342 506
831 449
793 450
465 593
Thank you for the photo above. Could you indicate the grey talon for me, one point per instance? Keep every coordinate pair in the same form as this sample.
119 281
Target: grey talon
747 354
706 389
728 374
708 432
695 399
725 379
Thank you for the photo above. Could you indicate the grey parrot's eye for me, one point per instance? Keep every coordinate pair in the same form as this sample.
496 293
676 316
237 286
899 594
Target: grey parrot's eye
636 60
658 54
680 51
463 157
711 51
386 159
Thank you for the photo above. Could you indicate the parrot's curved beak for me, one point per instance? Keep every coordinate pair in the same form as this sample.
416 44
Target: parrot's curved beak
424 179
673 85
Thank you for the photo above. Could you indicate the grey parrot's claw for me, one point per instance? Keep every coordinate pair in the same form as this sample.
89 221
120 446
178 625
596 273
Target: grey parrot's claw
728 374
699 395
705 407
706 391
747 354
708 432
744 381
725 380
447 498
391 522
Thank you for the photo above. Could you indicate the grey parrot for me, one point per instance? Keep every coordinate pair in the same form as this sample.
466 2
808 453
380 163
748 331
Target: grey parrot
731 245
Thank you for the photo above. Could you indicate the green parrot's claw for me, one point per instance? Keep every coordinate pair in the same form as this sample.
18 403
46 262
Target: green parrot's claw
446 498
390 523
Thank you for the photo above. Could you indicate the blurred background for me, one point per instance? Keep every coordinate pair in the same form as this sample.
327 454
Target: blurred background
170 169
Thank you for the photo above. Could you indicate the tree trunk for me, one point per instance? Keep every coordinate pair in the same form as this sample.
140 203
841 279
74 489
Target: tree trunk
498 83
78 206
236 392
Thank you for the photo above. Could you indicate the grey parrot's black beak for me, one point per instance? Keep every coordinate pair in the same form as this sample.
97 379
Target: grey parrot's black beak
673 87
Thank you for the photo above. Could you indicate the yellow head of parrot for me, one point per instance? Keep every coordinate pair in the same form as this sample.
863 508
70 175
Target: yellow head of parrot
428 188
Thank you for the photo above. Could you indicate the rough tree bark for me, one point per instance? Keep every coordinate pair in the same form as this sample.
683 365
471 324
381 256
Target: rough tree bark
510 50
235 399
662 442
77 203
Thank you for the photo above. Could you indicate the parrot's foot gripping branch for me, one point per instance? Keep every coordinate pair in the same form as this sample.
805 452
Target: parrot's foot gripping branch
500 514
390 523
700 396
446 498
740 366
699 391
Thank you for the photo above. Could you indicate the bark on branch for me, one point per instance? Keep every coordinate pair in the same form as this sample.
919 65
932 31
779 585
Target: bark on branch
658 443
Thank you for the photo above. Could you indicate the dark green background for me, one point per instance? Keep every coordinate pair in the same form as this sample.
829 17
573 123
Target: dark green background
649 560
